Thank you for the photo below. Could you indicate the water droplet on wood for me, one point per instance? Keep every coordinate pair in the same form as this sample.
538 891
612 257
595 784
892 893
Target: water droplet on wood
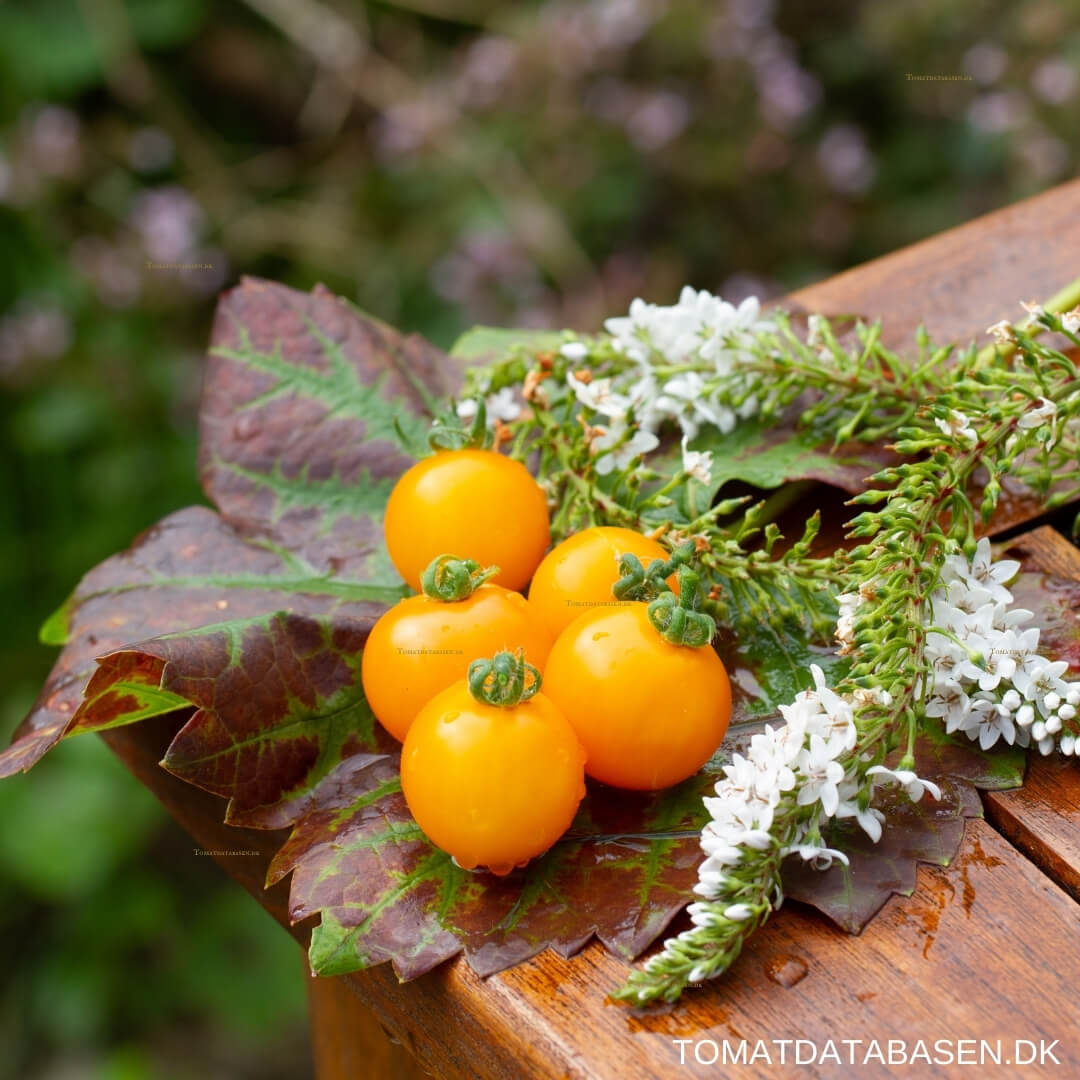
785 970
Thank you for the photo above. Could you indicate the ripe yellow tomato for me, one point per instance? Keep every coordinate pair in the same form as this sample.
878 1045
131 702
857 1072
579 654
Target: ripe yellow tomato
478 504
648 713
421 646
492 785
578 573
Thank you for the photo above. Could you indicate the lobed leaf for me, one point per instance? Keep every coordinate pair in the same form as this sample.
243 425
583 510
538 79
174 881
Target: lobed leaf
308 413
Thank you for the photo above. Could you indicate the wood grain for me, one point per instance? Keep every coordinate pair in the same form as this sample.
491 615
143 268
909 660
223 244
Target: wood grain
962 281
1043 817
347 1040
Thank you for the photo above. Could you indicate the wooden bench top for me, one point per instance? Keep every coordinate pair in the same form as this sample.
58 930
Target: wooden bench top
988 948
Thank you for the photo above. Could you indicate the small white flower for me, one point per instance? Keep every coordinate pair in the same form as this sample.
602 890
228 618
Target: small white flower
1001 332
501 405
820 857
992 575
738 912
597 394
574 351
845 621
821 775
1011 700
913 785
1041 411
1037 677
615 451
950 703
870 820
697 463
987 721
1071 320
957 426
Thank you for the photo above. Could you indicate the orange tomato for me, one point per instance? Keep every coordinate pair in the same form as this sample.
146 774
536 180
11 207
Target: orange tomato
492 785
648 713
578 574
478 504
421 646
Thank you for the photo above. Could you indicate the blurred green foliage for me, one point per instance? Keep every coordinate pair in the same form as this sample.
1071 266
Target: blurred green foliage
440 162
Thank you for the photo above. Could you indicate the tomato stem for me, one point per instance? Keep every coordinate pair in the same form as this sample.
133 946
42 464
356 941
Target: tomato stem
449 579
454 436
637 583
505 680
677 620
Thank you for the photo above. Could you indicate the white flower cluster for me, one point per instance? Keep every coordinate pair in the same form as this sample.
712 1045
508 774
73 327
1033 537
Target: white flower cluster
989 680
502 405
810 756
701 333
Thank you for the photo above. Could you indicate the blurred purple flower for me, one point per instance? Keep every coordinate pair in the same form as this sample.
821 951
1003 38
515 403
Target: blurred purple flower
168 221
1054 81
53 140
657 119
998 111
985 62
409 126
846 160
34 331
112 271
787 92
490 61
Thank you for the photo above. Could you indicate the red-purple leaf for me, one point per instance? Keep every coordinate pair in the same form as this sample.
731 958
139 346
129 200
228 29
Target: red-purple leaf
190 570
308 409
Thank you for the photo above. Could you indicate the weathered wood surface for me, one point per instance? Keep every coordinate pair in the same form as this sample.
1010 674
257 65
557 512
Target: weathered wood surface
985 949
347 1040
962 281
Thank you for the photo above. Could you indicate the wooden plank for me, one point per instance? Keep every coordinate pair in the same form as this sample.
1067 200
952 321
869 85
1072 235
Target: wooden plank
1043 817
961 281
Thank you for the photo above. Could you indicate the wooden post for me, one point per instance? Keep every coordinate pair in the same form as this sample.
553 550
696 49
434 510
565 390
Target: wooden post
347 1040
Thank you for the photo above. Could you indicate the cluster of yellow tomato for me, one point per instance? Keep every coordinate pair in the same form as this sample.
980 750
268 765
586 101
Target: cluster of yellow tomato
496 780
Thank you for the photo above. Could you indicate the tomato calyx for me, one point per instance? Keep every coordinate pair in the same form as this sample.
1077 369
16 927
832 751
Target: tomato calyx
504 681
637 582
677 619
452 435
449 579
